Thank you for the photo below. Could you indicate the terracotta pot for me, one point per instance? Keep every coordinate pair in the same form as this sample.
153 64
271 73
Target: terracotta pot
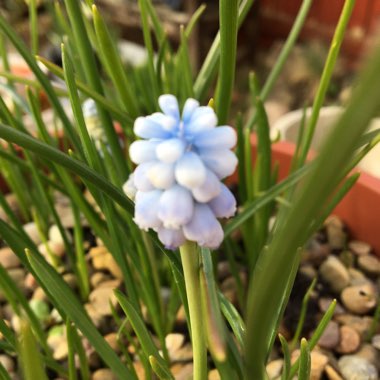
360 208
277 17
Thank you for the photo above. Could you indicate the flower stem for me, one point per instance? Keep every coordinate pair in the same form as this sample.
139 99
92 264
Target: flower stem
190 263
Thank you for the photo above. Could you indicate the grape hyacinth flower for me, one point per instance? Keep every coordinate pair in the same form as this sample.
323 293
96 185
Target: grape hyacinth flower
181 160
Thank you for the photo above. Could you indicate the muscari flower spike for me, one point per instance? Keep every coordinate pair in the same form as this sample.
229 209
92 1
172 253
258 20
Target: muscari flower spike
181 160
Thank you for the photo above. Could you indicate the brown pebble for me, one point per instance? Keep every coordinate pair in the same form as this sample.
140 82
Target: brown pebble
214 375
104 374
330 337
97 278
335 274
349 340
359 299
359 247
7 362
8 259
360 324
111 339
274 368
369 264
335 232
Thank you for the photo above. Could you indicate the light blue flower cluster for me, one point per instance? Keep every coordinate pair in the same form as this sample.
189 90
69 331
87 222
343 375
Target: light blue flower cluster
180 164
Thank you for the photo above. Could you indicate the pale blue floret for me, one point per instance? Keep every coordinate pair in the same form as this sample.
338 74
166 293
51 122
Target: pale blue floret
204 227
176 207
180 164
146 209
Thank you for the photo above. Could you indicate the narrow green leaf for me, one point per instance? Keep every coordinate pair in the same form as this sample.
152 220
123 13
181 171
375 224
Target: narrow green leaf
214 324
4 373
42 78
113 64
326 75
71 351
84 50
85 89
210 64
228 16
301 319
234 319
286 354
30 358
305 361
142 333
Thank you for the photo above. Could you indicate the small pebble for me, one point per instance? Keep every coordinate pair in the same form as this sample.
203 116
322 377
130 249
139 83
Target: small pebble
97 278
376 341
335 274
274 368
104 374
349 340
214 375
173 343
315 252
111 339
336 235
368 352
360 324
103 260
8 259
359 299
369 264
8 363
100 299
359 247
330 337
354 368
32 231
324 303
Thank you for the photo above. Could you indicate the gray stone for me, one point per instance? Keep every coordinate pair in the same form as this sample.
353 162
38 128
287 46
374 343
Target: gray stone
355 368
330 337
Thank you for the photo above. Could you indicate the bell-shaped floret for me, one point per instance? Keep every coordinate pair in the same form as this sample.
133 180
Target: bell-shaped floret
170 150
216 138
202 119
161 175
129 187
190 106
146 209
143 151
170 238
222 162
169 105
141 180
190 171
209 189
224 205
149 128
204 228
176 207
